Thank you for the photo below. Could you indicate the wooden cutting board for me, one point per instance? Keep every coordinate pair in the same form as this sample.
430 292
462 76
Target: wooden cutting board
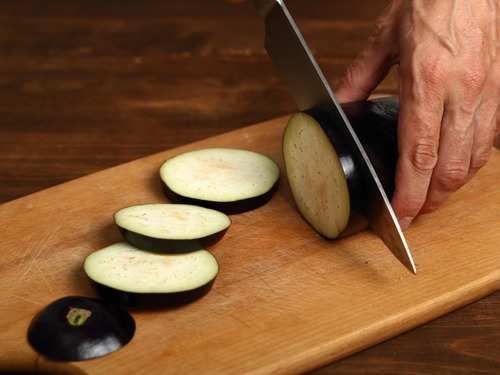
285 301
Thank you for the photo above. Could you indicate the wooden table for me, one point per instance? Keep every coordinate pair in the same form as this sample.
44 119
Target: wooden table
86 85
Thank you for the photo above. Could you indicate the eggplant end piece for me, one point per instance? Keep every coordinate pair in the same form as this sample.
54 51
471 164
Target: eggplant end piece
80 328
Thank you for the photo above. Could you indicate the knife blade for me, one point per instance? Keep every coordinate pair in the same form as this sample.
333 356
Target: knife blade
293 59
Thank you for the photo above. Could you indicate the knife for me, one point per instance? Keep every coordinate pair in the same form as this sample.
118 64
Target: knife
291 56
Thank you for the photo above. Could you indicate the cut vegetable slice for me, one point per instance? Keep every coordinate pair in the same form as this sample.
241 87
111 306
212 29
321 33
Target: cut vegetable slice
327 181
316 177
228 180
171 227
137 278
79 328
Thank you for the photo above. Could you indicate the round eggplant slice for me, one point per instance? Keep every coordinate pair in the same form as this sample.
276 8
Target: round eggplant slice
80 328
171 227
228 180
324 175
129 276
315 174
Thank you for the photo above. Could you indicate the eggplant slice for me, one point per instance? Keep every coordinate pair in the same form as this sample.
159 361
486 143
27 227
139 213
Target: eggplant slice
228 180
325 178
80 328
315 174
171 227
129 276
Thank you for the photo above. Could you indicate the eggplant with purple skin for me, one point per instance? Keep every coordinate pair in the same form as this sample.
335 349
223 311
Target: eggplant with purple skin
136 278
174 228
228 180
325 177
80 328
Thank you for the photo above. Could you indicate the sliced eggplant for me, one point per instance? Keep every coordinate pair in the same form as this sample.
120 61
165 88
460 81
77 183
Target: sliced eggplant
325 178
171 227
316 177
136 278
228 180
80 328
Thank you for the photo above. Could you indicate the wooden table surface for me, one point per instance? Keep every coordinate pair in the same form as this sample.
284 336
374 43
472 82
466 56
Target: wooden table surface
88 84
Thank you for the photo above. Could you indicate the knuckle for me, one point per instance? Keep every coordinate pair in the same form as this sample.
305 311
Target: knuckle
480 159
352 74
424 156
453 176
434 73
474 79
413 205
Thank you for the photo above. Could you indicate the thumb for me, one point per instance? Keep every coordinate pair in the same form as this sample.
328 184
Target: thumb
373 63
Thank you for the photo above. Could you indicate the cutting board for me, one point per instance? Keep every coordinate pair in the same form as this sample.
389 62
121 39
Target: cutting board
285 301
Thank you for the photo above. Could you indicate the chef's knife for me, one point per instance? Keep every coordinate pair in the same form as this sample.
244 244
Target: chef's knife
294 61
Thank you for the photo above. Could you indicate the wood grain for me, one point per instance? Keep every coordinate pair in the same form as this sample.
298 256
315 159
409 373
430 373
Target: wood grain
286 301
86 85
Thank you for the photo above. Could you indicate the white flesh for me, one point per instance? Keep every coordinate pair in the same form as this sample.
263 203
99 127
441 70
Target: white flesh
315 175
220 174
126 268
172 221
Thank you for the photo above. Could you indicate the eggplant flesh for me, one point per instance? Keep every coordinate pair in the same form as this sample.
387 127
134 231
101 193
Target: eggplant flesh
315 176
229 180
80 328
173 228
129 276
321 197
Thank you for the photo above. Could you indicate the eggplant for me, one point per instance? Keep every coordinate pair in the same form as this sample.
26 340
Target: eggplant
136 278
228 180
171 227
326 177
80 328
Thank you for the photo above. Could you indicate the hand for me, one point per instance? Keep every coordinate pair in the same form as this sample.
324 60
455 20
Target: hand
449 93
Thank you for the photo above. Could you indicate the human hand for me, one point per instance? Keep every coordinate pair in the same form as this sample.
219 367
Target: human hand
449 93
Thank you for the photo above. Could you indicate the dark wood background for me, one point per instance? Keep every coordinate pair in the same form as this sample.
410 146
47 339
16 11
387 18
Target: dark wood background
88 84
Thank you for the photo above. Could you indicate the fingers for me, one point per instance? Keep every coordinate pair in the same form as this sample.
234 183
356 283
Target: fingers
374 62
497 141
487 124
447 116
484 135
497 79
466 116
364 75
455 151
467 136
418 136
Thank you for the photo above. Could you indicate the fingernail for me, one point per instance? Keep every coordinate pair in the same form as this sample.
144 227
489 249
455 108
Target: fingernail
405 222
